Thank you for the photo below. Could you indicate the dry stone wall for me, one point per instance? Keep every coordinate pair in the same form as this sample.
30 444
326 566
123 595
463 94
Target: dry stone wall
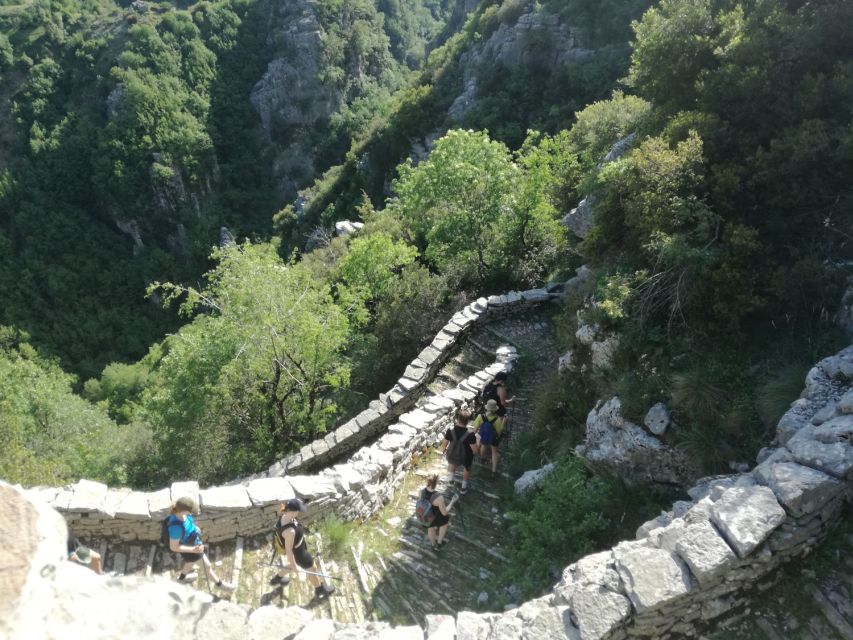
354 487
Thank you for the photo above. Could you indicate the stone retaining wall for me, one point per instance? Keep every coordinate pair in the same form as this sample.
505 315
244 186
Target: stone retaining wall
353 489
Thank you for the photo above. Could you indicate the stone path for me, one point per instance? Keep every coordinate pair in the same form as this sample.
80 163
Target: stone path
386 568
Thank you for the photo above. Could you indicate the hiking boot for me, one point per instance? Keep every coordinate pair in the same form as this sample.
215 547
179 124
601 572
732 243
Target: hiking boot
449 478
188 577
226 586
442 543
323 591
435 547
282 580
464 489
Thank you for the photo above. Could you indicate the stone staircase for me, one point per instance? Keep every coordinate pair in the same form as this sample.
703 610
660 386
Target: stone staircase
386 570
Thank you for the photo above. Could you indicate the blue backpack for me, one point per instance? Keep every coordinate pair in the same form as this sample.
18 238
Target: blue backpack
488 433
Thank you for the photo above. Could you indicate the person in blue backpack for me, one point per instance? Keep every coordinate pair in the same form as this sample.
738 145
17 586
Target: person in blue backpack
185 540
489 426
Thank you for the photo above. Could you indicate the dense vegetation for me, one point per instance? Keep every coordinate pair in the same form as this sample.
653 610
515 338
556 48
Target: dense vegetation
721 240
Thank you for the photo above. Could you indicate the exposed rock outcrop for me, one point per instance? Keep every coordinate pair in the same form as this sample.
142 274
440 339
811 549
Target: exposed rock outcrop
519 44
616 446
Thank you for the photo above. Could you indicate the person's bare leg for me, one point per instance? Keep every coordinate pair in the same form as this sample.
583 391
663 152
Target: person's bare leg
208 569
442 532
96 564
495 455
431 535
466 474
314 580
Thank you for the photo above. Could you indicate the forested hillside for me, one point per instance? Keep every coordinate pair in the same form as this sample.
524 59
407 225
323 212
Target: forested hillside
720 238
130 133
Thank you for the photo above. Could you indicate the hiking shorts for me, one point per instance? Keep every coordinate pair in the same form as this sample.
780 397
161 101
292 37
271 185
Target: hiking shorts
303 556
439 520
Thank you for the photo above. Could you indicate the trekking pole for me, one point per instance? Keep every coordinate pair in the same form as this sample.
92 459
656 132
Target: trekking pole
459 511
314 573
205 563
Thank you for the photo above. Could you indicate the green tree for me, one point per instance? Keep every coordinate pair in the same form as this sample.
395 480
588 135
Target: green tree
251 376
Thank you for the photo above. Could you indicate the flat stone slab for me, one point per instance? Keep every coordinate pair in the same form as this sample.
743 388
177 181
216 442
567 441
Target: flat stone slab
160 503
234 498
746 516
826 447
393 442
113 500
187 488
88 496
350 476
598 611
312 487
266 623
134 507
535 295
440 627
800 490
429 355
408 384
264 491
705 552
652 577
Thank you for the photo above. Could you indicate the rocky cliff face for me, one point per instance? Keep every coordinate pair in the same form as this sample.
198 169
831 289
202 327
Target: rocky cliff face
290 98
537 37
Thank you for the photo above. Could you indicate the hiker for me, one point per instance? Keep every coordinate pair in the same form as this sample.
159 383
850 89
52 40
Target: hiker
489 425
83 555
496 390
185 539
460 445
441 513
289 541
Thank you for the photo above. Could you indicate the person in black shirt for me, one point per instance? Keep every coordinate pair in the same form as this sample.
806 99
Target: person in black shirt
290 542
460 444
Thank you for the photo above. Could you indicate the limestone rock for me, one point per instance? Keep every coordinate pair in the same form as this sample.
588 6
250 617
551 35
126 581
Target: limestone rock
653 577
800 490
543 619
233 498
579 220
187 489
223 620
565 362
322 629
347 228
598 611
826 447
845 405
440 627
705 552
746 516
471 626
657 419
604 351
134 507
529 480
312 487
266 623
586 334
264 491
88 496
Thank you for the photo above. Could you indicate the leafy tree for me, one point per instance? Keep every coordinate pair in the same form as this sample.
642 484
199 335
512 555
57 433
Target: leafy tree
250 377
464 209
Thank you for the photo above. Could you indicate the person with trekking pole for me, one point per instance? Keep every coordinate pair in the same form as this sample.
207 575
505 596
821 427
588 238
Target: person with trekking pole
185 540
289 541
460 445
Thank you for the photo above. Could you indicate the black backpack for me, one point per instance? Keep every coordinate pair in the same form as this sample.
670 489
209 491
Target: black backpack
490 392
164 530
456 450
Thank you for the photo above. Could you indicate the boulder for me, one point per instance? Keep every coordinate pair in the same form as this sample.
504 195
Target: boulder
266 623
530 479
657 419
346 227
603 352
440 627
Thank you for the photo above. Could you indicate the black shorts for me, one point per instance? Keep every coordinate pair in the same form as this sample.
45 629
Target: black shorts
440 519
303 557
190 558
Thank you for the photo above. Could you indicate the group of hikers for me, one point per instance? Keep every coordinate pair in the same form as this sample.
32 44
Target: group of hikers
473 433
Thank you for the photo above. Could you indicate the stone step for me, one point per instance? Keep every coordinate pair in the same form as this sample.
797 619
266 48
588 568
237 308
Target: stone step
841 626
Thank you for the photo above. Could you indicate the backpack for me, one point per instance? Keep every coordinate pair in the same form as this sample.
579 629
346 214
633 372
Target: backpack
164 530
488 433
490 392
456 450
424 512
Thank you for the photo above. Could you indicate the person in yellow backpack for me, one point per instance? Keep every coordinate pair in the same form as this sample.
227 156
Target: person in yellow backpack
489 425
